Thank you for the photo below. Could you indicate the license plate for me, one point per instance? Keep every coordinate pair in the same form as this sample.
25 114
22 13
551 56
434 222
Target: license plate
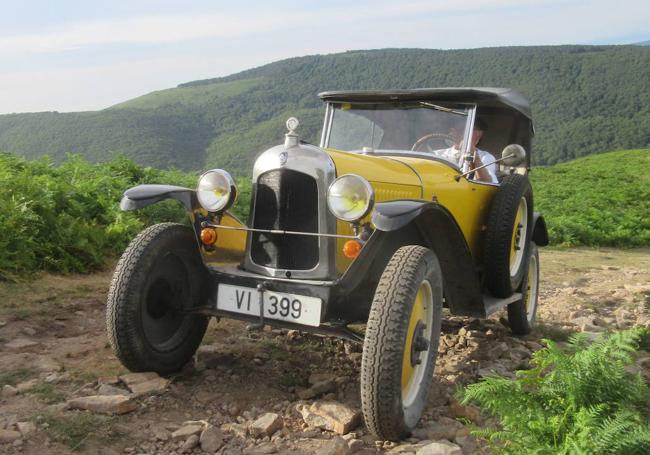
299 309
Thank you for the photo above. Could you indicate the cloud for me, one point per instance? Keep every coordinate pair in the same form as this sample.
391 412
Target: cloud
180 28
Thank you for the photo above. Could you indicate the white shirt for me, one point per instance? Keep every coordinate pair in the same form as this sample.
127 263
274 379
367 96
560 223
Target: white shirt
452 155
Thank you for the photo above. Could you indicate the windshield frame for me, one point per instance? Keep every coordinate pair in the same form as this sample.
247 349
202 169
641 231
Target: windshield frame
329 117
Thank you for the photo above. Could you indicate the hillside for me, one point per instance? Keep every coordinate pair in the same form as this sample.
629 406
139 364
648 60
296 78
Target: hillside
585 99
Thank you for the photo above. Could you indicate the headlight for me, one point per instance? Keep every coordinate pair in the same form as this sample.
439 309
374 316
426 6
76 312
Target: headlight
350 197
216 190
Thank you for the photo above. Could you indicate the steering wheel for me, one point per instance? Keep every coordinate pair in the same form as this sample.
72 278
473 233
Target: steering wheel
433 141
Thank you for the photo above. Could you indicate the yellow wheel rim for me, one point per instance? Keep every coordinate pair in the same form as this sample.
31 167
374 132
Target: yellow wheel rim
420 325
518 241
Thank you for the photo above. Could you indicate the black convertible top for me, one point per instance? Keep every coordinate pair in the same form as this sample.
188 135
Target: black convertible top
482 96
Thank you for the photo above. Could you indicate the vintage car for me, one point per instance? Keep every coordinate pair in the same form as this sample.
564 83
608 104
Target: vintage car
383 224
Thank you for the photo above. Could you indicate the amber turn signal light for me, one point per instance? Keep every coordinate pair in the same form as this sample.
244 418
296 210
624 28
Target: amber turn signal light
352 248
208 236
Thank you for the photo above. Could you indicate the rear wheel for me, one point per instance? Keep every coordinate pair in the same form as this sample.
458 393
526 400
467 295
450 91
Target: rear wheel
521 315
401 342
158 280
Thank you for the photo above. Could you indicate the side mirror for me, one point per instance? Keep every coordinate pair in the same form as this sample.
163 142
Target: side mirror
513 155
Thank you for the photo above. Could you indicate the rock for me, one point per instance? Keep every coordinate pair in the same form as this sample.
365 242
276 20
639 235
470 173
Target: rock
443 428
355 445
211 439
440 448
190 443
266 425
26 428
335 446
110 380
106 389
9 391
104 404
318 389
187 430
130 379
293 335
151 386
9 436
458 410
236 428
26 386
591 328
467 443
315 378
498 350
331 416
159 433
21 343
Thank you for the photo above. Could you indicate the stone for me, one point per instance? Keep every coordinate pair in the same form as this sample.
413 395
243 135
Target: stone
458 410
106 389
130 379
26 428
152 386
187 430
29 331
318 389
335 446
21 343
355 445
315 378
266 425
110 380
498 350
331 416
467 443
440 448
9 391
235 428
160 433
9 436
26 386
104 404
591 328
190 443
211 439
443 428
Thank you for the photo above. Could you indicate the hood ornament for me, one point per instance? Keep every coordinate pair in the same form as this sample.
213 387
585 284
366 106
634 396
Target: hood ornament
291 138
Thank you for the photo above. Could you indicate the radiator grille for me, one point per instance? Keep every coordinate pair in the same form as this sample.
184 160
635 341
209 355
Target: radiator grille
288 200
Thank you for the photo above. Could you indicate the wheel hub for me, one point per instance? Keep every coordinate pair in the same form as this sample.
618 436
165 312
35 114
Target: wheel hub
419 344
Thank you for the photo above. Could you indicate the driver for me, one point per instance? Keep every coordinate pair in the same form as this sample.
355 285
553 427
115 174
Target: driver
481 157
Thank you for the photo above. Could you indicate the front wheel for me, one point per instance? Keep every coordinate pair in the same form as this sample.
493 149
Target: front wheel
401 342
158 280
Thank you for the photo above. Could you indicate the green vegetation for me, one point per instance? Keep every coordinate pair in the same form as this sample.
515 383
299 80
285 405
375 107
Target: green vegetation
600 200
582 400
67 219
48 393
75 428
585 99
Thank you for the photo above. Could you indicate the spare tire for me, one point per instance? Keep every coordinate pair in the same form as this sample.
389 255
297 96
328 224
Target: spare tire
507 239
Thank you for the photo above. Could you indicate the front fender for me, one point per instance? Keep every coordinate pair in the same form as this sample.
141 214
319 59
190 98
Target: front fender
143 195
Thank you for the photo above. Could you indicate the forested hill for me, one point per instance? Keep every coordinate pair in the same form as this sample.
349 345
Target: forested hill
585 99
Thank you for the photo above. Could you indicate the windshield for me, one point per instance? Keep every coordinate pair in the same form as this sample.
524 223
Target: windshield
420 127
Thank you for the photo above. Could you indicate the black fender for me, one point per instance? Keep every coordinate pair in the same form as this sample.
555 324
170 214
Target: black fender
143 195
540 234
407 222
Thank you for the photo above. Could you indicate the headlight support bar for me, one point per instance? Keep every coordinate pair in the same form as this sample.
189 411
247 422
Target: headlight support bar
279 231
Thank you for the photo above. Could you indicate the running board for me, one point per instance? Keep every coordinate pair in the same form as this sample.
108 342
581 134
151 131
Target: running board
494 304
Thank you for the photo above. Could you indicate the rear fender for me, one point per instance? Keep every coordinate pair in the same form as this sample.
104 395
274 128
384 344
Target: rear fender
540 234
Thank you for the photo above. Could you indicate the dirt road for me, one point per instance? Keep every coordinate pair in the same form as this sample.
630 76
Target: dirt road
53 348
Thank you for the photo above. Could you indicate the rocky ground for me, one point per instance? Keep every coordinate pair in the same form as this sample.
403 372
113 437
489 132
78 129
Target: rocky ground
272 391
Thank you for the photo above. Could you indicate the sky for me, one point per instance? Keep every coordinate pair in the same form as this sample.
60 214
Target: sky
69 55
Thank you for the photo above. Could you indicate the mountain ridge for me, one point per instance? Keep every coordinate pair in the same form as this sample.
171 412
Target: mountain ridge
585 99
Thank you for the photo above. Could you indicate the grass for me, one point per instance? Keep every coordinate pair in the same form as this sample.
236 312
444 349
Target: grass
75 428
48 393
15 377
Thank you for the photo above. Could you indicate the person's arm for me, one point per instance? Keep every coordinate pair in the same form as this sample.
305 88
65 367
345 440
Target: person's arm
487 173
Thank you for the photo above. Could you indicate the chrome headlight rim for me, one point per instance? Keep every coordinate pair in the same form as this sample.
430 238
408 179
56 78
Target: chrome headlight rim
370 191
227 201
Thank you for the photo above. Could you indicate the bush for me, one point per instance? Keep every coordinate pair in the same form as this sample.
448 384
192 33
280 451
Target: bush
67 219
579 401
